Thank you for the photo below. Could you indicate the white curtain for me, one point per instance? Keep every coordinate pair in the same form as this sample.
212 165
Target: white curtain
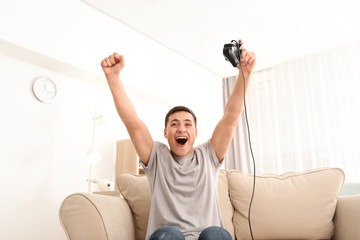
238 154
303 114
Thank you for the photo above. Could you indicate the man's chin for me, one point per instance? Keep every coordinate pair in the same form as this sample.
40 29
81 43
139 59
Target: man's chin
181 150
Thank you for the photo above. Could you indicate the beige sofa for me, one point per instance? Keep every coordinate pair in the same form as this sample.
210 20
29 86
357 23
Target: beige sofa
289 206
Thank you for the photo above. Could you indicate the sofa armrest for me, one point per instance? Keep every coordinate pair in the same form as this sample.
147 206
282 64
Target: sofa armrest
96 217
347 218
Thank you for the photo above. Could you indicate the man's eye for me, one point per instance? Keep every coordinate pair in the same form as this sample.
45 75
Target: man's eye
173 124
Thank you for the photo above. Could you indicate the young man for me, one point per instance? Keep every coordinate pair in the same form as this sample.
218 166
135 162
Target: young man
183 180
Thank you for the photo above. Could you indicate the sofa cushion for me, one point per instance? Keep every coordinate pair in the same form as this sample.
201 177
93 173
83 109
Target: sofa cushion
135 190
227 210
288 206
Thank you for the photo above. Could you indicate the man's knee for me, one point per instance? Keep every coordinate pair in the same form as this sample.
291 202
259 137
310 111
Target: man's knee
167 233
215 233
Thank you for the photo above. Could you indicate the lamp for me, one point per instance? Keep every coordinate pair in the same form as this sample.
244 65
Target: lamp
93 156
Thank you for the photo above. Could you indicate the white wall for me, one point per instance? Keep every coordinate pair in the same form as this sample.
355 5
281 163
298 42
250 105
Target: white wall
43 145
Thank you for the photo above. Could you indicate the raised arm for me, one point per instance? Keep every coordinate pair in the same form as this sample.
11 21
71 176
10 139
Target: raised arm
224 130
139 134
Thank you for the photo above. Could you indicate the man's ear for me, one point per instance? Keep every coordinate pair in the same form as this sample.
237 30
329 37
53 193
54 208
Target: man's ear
165 135
196 133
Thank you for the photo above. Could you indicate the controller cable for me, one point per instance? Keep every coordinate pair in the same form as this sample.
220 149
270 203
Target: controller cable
249 139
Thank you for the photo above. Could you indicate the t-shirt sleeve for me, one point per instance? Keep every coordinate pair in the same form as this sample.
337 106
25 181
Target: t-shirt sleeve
211 151
152 158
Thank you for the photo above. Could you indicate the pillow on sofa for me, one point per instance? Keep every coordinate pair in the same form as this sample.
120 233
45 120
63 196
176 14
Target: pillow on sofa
289 206
135 190
227 210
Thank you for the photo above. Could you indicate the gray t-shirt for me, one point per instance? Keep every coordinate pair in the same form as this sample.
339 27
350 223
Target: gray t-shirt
184 190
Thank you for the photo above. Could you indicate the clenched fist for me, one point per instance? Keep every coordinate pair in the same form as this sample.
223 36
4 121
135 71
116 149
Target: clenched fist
113 64
248 60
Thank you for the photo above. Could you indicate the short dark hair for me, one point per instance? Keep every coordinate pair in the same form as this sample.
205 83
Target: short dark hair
179 109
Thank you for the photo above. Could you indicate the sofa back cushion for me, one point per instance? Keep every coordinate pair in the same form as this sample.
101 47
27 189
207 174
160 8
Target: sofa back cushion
227 210
288 206
135 190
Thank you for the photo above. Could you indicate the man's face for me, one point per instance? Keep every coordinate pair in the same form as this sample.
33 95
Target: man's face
181 133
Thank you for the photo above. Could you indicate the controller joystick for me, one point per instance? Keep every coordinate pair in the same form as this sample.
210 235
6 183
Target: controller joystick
232 52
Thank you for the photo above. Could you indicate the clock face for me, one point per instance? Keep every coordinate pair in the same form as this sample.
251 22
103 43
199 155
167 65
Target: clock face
44 89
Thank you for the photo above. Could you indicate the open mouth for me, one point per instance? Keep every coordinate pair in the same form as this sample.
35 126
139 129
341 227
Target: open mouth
181 140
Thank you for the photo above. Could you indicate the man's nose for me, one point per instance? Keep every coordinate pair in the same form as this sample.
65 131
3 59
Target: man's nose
181 128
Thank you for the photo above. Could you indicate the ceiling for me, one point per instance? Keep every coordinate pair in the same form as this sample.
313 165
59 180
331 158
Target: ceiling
276 30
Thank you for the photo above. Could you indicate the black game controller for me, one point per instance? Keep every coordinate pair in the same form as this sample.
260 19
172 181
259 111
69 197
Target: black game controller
232 52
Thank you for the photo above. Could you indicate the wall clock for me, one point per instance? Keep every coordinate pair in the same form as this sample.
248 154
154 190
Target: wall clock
44 89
